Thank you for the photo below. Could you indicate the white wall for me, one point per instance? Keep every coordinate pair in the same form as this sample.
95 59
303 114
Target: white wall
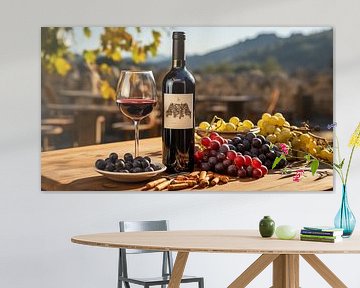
35 227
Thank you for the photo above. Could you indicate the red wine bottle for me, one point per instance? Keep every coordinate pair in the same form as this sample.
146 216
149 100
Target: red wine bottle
178 111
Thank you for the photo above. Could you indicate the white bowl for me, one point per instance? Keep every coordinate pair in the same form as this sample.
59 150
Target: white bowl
131 177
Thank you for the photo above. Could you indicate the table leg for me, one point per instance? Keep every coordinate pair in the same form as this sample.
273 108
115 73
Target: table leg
324 271
253 270
286 271
178 269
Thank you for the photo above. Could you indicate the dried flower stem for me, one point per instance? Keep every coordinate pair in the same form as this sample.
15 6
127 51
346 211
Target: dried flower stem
357 137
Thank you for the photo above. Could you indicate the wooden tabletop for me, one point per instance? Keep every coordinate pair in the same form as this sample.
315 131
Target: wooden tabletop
73 170
217 241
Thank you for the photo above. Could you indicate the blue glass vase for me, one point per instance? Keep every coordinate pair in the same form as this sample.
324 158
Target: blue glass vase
345 219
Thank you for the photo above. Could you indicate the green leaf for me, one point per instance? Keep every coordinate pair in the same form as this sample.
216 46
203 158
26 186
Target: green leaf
156 36
277 160
116 56
87 32
153 50
307 157
138 54
107 91
342 163
62 66
89 56
339 166
314 166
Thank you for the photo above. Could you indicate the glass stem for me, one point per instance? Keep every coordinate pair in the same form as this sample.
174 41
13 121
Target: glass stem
136 124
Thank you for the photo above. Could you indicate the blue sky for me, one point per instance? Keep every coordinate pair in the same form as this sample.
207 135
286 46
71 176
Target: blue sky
200 40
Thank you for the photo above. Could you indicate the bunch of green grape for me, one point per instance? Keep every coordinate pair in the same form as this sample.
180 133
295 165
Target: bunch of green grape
277 130
233 125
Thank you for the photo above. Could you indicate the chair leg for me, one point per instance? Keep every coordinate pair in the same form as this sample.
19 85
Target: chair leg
201 283
120 273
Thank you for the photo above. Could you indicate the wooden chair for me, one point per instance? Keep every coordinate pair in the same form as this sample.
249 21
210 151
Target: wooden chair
50 118
167 265
48 131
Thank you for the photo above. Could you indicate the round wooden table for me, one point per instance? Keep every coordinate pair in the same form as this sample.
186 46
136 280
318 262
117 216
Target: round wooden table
284 254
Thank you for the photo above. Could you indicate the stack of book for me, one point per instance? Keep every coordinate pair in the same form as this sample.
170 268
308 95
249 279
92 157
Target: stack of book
321 234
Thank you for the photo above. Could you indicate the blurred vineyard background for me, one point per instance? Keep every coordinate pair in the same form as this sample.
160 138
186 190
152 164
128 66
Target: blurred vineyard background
263 73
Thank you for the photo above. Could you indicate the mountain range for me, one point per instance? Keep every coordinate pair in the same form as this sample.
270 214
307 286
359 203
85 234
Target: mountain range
312 52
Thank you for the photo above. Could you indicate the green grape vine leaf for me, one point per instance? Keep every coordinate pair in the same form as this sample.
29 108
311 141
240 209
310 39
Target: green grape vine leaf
277 160
307 158
56 53
87 32
314 166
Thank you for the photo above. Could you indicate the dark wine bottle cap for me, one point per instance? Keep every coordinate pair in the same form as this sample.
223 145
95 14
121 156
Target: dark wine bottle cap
178 35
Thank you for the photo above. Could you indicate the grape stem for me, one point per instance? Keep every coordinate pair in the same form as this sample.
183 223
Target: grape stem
292 171
308 131
325 163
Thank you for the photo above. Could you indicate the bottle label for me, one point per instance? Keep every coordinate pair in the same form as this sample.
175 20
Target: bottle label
178 111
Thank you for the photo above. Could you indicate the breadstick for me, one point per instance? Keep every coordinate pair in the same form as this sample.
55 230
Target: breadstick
192 183
223 179
202 175
189 182
194 174
152 184
205 182
181 177
215 181
180 186
163 185
194 178
210 175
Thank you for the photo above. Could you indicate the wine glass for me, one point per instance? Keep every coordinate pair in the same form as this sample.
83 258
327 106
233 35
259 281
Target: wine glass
136 97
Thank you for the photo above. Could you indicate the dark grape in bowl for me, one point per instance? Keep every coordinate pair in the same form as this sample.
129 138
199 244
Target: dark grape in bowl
128 168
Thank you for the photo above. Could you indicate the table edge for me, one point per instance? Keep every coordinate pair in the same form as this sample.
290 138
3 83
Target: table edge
75 240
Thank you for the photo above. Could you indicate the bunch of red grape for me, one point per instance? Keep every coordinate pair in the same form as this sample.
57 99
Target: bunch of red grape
257 146
221 157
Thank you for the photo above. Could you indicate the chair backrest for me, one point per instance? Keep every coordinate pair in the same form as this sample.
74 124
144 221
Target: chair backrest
135 226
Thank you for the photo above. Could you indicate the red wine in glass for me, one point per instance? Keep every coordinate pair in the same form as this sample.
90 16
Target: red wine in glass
136 109
136 97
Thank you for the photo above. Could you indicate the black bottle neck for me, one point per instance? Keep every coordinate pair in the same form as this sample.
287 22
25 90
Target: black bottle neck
178 55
